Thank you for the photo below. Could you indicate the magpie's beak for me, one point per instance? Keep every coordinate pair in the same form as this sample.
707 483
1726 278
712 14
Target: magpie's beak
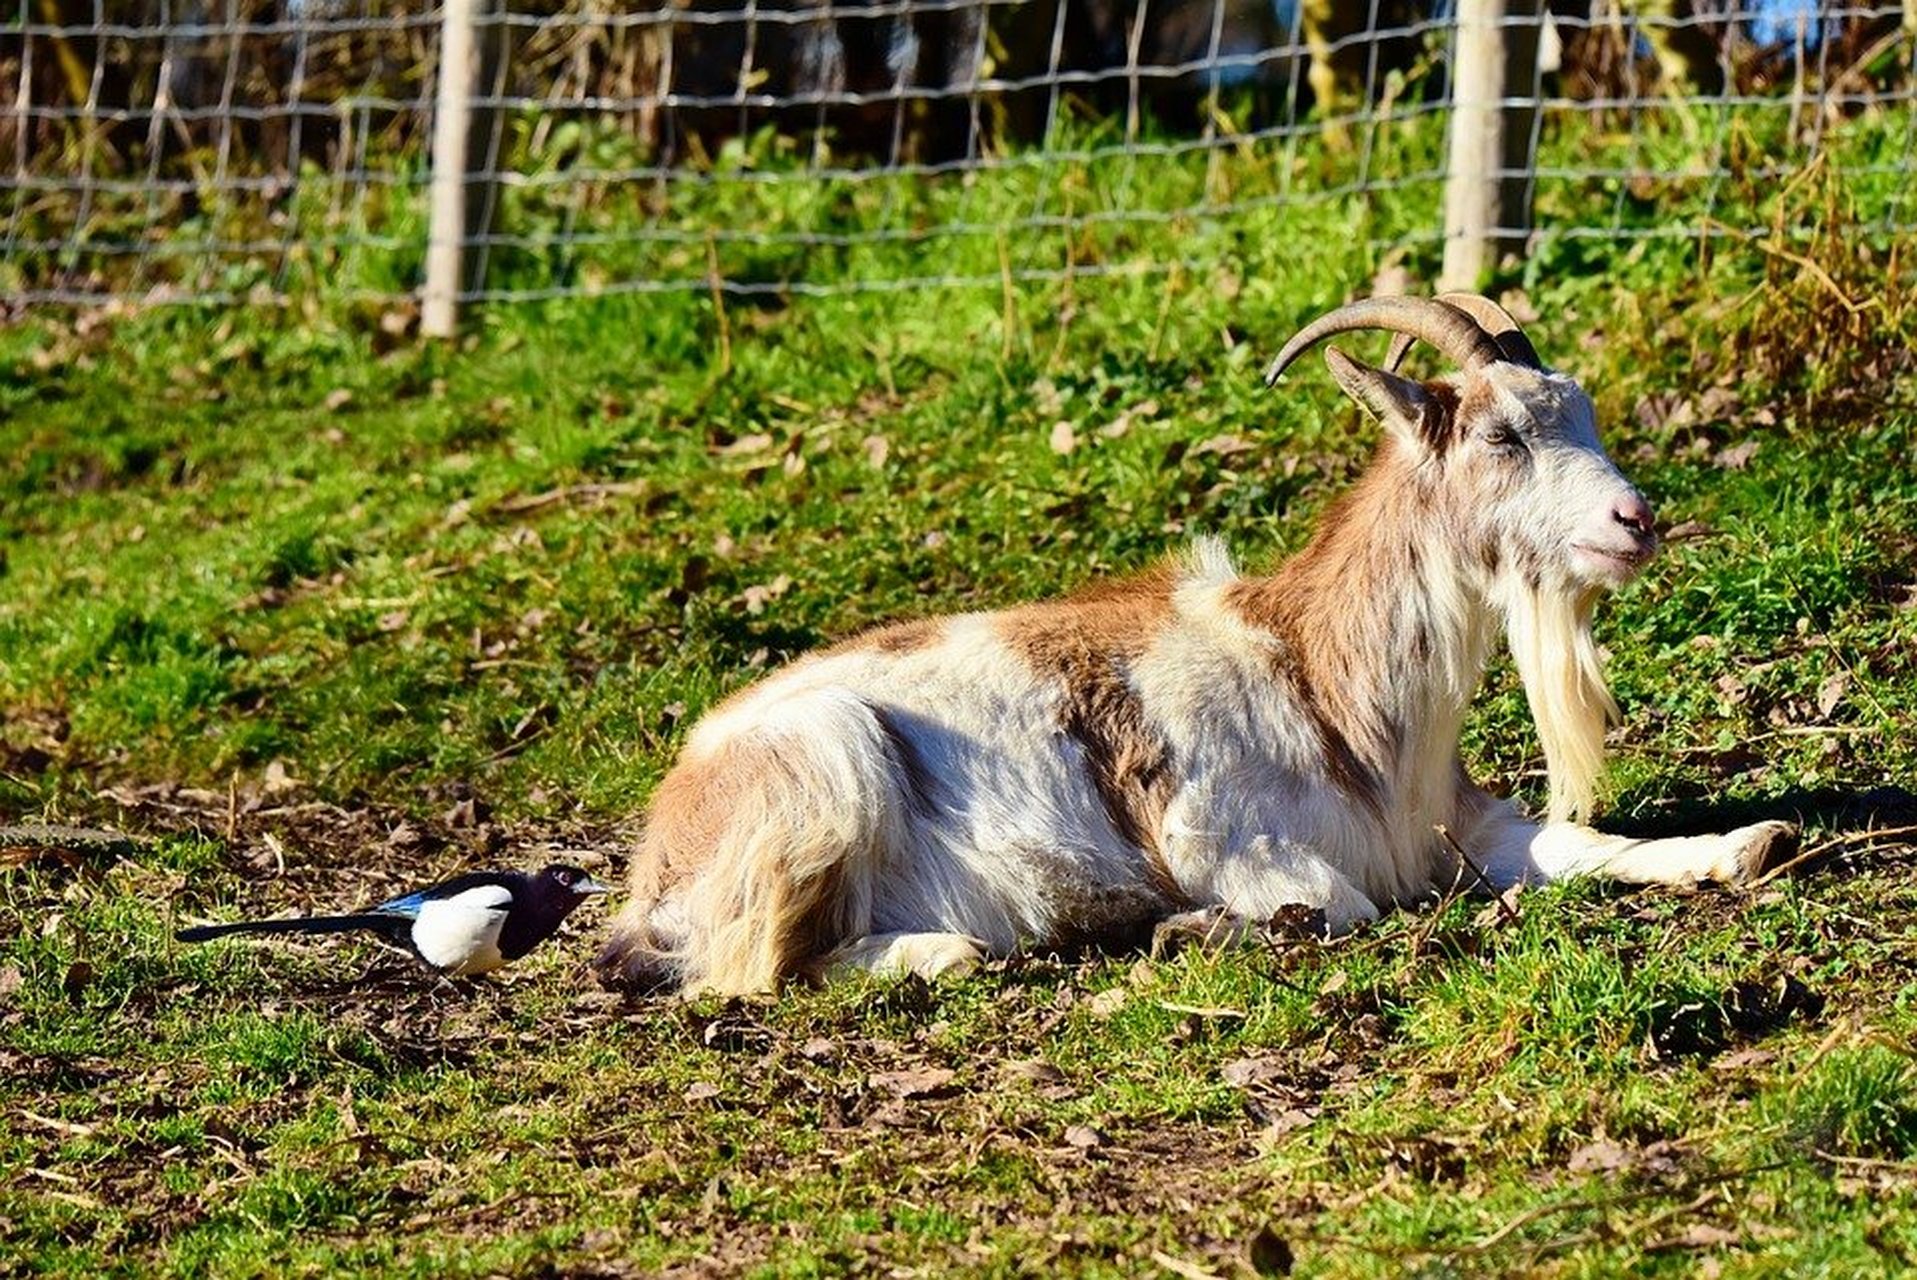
587 887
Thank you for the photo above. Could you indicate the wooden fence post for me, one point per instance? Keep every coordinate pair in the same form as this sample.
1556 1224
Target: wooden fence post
472 64
1494 106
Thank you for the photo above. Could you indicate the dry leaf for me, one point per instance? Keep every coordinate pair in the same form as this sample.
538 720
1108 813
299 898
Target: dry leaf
1743 1060
1118 426
877 450
1290 1119
1831 693
921 1083
1246 1072
1718 404
1064 437
1601 1156
1701 1235
1045 391
1084 1137
1106 1003
1225 446
1034 1070
1605 1156
756 598
1179 1267
758 442
1736 457
1664 409
338 399
19 855
1500 910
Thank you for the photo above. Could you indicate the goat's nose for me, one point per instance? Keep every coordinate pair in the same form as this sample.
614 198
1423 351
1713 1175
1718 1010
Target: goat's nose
1634 513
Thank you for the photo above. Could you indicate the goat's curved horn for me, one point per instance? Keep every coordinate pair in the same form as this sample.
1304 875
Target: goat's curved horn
1449 329
1491 317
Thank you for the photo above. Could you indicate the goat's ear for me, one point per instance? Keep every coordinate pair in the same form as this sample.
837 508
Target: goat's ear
1404 406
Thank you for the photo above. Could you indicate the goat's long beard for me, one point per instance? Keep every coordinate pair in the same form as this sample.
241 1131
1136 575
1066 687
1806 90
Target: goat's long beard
1550 638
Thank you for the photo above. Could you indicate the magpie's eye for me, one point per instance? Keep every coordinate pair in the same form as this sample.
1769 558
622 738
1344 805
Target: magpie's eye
566 876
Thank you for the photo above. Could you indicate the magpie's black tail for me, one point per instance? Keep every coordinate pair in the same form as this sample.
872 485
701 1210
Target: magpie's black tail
393 928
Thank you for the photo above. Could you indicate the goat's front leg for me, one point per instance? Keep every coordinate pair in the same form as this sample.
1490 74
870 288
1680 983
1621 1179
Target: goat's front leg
1511 850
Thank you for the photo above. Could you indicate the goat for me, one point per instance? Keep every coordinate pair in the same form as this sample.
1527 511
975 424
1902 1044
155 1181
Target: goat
935 792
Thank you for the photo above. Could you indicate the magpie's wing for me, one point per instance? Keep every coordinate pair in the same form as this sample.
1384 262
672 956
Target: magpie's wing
459 932
408 905
393 928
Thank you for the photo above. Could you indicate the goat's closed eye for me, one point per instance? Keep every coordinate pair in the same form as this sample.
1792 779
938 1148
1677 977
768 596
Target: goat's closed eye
1503 436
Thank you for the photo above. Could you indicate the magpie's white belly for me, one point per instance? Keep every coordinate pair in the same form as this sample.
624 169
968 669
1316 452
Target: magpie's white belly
460 935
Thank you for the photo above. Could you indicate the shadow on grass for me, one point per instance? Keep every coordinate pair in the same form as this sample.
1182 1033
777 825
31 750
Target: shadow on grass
1837 810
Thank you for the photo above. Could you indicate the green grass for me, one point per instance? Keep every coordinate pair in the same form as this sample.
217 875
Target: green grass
319 611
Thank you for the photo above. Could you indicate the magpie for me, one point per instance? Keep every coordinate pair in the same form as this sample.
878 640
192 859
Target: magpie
470 924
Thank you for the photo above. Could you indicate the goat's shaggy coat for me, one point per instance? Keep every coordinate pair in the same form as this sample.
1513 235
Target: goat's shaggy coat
937 791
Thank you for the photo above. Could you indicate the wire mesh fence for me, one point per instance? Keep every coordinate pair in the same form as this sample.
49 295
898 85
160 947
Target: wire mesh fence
219 150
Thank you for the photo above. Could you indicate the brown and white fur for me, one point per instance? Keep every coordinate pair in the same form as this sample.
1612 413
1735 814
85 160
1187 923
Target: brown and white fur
935 792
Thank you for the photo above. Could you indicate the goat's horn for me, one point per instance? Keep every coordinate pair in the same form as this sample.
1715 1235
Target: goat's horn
1499 323
1449 329
1491 317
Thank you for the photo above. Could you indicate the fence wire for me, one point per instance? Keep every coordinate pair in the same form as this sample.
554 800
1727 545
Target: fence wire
234 150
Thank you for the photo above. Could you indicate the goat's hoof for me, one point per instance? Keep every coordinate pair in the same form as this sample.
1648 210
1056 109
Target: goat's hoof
929 955
1207 928
948 955
1760 847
